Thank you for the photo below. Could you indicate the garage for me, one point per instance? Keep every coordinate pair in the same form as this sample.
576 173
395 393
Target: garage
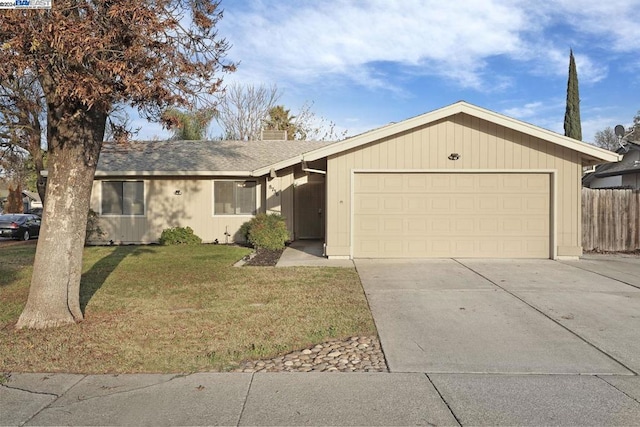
460 181
470 215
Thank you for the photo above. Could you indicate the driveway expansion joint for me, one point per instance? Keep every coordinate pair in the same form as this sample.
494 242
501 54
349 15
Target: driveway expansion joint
618 389
244 402
453 414
550 318
601 275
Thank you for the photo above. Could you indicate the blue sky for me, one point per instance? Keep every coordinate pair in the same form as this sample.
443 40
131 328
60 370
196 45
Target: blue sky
364 64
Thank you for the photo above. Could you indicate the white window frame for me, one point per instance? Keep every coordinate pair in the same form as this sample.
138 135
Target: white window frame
144 198
248 215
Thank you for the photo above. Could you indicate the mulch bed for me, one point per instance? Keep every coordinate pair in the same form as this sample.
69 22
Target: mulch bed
265 258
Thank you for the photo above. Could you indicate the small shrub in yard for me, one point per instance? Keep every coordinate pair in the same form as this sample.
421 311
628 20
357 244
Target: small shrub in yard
244 230
179 236
267 232
93 226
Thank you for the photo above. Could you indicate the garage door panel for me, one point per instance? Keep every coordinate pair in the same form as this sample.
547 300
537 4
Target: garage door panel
488 204
450 214
415 205
467 204
440 203
392 183
464 182
368 183
456 227
392 225
488 182
416 225
367 204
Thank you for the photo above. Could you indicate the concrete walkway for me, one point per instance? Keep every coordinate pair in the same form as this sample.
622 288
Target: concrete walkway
480 342
309 253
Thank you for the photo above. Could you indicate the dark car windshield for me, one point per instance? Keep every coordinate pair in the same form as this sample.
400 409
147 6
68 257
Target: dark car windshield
12 218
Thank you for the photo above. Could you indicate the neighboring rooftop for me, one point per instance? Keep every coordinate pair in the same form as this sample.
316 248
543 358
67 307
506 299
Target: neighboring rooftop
165 157
630 162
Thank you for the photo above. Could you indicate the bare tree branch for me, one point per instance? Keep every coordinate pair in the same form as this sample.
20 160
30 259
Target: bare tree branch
241 110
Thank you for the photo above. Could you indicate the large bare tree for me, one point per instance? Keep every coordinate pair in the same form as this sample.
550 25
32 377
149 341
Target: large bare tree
90 55
243 108
606 139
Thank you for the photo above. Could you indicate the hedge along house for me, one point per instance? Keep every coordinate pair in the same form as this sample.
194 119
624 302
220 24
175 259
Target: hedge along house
460 181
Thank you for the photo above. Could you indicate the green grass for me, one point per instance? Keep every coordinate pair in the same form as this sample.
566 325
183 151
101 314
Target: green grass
178 309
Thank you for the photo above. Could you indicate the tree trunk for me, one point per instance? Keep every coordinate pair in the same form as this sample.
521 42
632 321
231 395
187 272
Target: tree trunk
14 200
75 139
37 154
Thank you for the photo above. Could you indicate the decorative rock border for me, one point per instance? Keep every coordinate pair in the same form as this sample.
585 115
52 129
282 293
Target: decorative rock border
356 354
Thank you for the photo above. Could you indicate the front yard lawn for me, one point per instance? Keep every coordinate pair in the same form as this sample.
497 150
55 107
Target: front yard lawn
178 309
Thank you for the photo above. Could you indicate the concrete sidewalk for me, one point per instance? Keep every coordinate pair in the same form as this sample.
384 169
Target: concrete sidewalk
319 399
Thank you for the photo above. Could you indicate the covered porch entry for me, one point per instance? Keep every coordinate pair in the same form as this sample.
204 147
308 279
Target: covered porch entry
309 206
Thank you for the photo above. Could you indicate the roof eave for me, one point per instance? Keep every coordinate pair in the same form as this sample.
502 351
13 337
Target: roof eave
593 154
279 165
617 172
101 174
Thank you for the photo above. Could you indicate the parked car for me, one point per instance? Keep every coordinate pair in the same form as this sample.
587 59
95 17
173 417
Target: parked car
36 211
19 226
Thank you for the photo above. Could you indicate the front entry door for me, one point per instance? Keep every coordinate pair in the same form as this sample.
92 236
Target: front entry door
309 210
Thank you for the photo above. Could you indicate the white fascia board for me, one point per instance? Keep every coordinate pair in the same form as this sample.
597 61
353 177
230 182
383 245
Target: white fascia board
382 132
544 134
596 153
171 173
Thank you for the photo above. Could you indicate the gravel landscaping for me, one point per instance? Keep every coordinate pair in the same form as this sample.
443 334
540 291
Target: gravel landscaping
356 354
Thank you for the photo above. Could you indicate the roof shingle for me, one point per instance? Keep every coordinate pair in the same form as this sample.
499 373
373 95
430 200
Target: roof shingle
199 156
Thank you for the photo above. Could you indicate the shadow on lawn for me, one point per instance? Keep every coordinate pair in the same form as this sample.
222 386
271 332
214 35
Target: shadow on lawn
93 279
14 261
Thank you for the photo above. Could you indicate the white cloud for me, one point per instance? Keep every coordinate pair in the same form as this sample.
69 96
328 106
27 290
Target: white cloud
546 114
614 22
550 115
337 37
528 110
340 39
556 62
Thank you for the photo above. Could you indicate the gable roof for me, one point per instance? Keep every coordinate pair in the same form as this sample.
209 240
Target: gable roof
257 158
174 158
590 153
630 163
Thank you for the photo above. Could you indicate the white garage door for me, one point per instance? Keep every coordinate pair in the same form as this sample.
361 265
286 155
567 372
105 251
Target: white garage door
480 215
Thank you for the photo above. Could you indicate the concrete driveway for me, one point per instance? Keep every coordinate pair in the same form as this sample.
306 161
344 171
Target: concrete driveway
505 316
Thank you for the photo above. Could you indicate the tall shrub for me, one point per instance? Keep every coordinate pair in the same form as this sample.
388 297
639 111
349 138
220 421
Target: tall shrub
267 231
572 125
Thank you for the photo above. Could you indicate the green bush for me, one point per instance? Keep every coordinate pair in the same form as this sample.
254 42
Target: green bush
266 231
179 236
244 230
93 226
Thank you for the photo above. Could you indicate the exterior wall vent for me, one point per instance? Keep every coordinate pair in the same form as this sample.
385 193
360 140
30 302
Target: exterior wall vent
273 135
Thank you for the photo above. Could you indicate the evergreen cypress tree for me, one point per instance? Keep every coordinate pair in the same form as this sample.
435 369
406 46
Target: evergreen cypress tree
572 126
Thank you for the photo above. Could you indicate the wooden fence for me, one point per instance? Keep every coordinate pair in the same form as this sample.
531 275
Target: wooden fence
610 220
